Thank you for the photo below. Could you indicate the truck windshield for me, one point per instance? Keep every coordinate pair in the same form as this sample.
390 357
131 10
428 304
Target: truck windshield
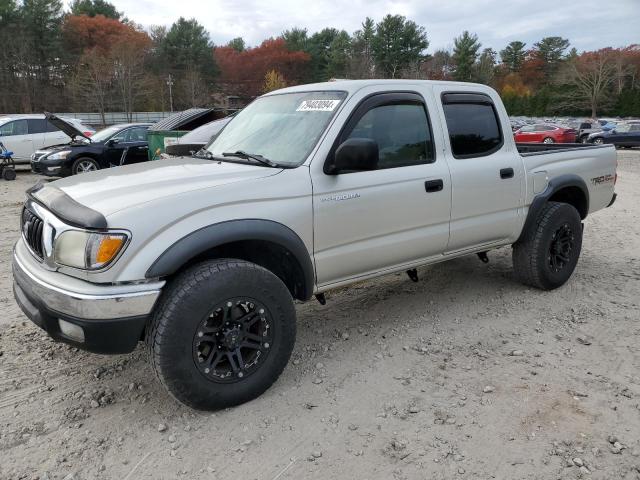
283 128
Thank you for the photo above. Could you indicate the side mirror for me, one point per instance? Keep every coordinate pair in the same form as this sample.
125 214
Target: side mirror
355 155
112 142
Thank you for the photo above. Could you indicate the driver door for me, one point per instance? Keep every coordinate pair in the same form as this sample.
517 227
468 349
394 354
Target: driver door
127 147
397 214
136 145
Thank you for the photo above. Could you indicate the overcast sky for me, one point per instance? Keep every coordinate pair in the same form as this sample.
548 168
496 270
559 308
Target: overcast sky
589 24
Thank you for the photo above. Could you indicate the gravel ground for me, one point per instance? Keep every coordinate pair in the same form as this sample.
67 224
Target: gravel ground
466 374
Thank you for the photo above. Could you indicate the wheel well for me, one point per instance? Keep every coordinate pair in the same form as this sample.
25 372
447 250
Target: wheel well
272 256
573 196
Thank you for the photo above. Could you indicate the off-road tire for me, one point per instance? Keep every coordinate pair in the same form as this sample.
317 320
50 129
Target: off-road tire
531 255
186 301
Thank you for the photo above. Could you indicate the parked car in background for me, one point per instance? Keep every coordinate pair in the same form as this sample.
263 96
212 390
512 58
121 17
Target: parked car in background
624 135
607 125
196 139
542 133
516 125
111 147
585 129
24 134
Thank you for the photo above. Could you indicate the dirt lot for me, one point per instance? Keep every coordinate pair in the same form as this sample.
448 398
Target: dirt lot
465 374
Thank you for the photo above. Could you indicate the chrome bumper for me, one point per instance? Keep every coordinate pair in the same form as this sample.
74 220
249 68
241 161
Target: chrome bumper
80 299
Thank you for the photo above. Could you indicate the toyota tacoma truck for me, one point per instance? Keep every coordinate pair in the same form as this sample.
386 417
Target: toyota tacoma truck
307 189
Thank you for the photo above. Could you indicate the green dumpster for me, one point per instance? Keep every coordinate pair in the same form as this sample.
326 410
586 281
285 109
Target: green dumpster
168 130
159 139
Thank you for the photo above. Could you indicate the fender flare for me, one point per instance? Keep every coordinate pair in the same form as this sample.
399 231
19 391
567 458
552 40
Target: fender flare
555 184
211 236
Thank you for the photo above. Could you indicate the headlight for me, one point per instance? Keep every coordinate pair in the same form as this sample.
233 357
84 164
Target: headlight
59 155
87 250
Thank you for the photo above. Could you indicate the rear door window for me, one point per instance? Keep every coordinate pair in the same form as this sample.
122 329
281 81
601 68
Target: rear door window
16 127
473 124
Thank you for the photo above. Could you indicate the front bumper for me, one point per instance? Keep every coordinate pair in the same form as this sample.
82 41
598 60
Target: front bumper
97 318
49 170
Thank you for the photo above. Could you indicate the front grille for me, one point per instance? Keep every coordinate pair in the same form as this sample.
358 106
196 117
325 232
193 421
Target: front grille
32 231
37 156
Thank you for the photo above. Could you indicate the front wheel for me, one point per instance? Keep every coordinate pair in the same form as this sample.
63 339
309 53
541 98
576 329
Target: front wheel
84 165
222 333
548 140
598 141
549 253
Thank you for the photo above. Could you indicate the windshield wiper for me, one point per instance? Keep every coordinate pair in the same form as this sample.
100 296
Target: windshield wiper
252 156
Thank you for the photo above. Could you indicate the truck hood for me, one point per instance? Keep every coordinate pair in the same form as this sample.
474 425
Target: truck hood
114 189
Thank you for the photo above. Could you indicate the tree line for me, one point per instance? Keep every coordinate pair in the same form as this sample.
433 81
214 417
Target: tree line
92 58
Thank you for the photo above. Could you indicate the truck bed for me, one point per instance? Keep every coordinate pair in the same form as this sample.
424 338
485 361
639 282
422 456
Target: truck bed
526 149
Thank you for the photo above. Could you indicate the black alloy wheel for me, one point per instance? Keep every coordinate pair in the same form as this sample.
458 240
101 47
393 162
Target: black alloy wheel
233 341
561 248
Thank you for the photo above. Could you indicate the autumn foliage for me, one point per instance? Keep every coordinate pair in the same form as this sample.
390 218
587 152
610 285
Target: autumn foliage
244 72
84 33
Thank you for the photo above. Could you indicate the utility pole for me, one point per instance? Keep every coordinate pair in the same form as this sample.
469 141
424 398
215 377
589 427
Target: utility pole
170 83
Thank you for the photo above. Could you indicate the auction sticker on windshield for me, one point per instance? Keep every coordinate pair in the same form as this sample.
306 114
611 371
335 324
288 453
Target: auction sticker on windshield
318 106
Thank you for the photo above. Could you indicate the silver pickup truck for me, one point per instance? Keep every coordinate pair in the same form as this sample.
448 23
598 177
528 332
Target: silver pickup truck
309 188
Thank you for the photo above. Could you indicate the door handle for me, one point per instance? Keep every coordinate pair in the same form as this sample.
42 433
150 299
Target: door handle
432 186
506 173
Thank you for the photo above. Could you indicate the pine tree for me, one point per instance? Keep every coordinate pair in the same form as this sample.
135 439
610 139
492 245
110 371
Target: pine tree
465 54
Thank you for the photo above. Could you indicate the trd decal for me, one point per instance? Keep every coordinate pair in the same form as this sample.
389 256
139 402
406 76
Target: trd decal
602 179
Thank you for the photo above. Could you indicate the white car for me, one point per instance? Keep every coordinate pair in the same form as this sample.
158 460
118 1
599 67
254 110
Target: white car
24 134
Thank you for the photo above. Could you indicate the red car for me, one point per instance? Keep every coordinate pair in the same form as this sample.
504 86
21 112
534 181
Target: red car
545 134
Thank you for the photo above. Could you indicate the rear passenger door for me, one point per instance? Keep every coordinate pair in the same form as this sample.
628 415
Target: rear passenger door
487 173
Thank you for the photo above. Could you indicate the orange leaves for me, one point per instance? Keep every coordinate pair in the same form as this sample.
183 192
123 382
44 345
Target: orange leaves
512 85
100 34
245 71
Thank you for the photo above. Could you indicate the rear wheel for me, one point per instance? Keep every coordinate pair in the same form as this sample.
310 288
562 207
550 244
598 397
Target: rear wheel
222 334
84 165
547 257
548 140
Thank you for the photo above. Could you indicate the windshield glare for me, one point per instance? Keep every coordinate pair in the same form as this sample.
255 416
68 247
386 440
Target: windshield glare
104 134
283 128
